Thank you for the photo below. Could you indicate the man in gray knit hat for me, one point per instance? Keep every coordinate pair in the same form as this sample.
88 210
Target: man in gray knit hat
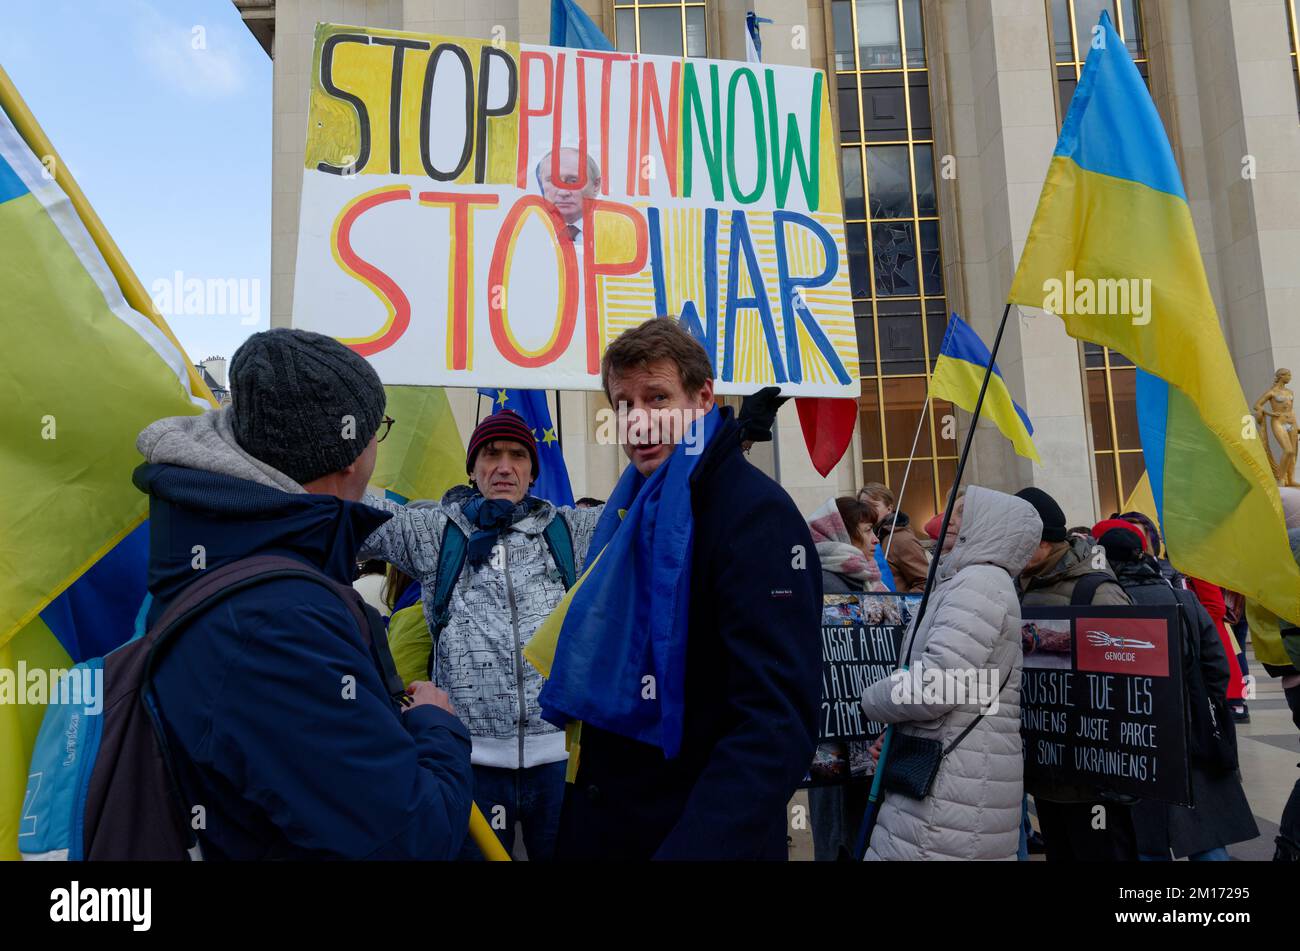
279 701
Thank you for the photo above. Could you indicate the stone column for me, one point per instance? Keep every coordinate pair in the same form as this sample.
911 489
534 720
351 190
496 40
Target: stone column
795 37
992 98
1243 85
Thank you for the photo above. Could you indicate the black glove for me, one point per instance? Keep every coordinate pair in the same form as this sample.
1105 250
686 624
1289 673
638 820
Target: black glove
758 414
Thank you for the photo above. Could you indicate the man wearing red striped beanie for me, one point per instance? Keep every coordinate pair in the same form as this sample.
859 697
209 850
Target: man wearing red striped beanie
502 559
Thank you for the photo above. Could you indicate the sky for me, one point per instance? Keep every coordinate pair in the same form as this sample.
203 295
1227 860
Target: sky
161 109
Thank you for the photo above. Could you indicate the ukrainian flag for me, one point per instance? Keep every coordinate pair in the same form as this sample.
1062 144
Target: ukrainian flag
81 373
1113 221
958 374
423 456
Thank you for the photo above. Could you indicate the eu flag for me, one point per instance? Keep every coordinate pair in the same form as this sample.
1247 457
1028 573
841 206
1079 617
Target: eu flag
553 481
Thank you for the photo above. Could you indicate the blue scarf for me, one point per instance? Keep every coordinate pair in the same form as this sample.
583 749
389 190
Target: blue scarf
628 615
491 517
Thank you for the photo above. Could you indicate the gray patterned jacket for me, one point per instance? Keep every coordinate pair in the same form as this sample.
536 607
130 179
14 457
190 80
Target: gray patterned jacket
494 611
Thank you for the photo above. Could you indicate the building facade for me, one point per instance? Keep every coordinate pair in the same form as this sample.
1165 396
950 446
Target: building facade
946 112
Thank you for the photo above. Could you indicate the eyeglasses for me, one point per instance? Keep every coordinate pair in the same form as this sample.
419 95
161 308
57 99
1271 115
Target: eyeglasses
385 427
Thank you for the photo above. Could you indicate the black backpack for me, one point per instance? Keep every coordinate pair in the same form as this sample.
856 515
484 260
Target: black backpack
1085 587
1211 734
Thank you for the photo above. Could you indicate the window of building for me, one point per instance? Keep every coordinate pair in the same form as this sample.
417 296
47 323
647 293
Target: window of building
1110 376
887 165
1071 23
671 29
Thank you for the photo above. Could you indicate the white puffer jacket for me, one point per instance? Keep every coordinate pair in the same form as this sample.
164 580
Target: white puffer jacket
972 622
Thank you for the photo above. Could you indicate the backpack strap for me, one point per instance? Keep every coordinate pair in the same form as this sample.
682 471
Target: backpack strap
452 553
219 583
1085 588
216 585
560 542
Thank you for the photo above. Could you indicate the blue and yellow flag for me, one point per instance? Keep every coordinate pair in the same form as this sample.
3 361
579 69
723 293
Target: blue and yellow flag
1112 252
553 480
81 373
958 375
625 619
423 456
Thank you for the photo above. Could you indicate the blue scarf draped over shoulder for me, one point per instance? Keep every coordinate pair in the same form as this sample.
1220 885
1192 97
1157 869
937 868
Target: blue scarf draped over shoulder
620 661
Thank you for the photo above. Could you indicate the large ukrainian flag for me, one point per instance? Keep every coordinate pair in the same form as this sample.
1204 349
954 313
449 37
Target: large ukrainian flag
1113 208
81 373
959 374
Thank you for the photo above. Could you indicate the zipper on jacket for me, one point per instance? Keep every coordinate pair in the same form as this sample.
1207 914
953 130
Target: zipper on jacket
519 648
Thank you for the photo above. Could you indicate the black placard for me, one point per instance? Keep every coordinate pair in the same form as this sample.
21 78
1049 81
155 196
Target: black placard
861 636
1102 703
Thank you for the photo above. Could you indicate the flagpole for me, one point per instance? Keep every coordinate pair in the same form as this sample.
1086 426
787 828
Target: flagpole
873 801
559 422
912 455
132 290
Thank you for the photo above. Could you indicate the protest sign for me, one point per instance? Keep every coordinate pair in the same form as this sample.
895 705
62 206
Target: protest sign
479 213
861 635
1101 701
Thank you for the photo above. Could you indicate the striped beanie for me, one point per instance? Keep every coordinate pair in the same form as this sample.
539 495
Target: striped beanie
506 424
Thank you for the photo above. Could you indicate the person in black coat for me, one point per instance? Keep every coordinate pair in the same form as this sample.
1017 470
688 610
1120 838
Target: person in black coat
1220 815
753 652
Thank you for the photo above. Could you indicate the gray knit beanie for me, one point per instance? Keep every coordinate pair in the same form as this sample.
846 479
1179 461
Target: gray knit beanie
303 402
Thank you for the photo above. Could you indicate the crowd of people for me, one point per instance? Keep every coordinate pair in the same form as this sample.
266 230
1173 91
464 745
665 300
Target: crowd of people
288 765
1001 553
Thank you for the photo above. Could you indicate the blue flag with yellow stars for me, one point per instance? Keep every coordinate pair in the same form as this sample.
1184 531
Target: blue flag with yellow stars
553 481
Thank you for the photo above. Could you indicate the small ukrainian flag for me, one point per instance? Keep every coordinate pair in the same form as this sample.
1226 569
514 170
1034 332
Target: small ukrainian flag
958 373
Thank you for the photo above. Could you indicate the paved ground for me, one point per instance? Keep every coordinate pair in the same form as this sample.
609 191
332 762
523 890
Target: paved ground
1269 750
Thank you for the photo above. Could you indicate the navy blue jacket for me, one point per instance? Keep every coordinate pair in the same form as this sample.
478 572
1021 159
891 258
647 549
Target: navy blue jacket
753 690
286 760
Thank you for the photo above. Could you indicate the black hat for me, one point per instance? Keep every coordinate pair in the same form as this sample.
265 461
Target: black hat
1121 545
303 403
1051 514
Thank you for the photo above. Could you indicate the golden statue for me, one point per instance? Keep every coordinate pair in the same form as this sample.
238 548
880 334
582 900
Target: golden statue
1279 405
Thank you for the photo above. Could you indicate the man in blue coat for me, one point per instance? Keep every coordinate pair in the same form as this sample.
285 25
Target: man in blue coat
287 743
753 655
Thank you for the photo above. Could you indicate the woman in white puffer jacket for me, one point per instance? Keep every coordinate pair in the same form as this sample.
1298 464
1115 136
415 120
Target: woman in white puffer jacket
972 622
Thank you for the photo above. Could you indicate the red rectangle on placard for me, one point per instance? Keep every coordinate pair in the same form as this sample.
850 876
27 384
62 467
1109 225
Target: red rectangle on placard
1122 645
